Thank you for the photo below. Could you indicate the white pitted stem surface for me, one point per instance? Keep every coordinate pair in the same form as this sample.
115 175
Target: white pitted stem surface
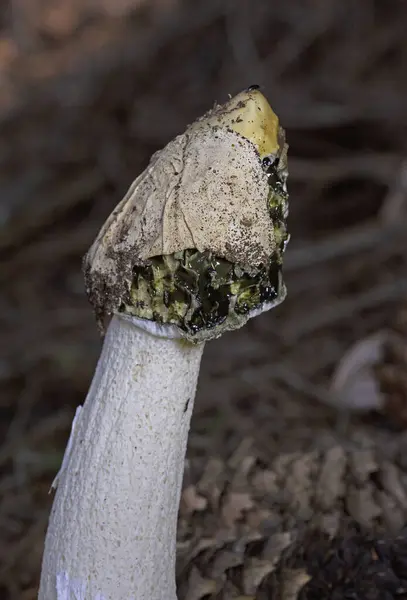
112 530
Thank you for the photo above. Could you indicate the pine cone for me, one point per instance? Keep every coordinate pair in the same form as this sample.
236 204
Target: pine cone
372 374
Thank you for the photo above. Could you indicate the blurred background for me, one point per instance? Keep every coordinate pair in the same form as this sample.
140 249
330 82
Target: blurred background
89 89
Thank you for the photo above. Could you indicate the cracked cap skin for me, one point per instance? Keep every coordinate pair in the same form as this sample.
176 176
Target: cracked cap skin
197 242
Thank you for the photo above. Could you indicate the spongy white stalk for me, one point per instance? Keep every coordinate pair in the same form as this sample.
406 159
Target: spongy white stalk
112 530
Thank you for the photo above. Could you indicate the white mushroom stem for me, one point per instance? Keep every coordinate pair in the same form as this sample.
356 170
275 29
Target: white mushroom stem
112 530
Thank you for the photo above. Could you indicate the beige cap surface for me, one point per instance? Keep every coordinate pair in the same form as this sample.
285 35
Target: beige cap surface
205 190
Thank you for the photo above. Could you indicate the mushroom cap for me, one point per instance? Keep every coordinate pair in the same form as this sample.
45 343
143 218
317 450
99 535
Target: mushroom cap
207 191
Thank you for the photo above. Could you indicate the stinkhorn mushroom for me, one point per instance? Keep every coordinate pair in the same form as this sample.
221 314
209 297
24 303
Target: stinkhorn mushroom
193 250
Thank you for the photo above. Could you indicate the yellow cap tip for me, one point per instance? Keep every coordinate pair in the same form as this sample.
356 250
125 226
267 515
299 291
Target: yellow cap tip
251 116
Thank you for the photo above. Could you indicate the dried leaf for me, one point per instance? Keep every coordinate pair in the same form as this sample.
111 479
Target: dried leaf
241 452
240 477
234 506
354 384
191 501
226 559
293 580
361 505
202 545
299 485
211 480
330 484
254 573
393 515
391 482
258 517
275 546
362 463
265 482
198 586
329 523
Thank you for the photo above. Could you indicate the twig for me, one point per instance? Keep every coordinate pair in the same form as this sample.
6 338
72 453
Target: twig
242 43
75 193
343 309
353 240
286 374
55 421
378 167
